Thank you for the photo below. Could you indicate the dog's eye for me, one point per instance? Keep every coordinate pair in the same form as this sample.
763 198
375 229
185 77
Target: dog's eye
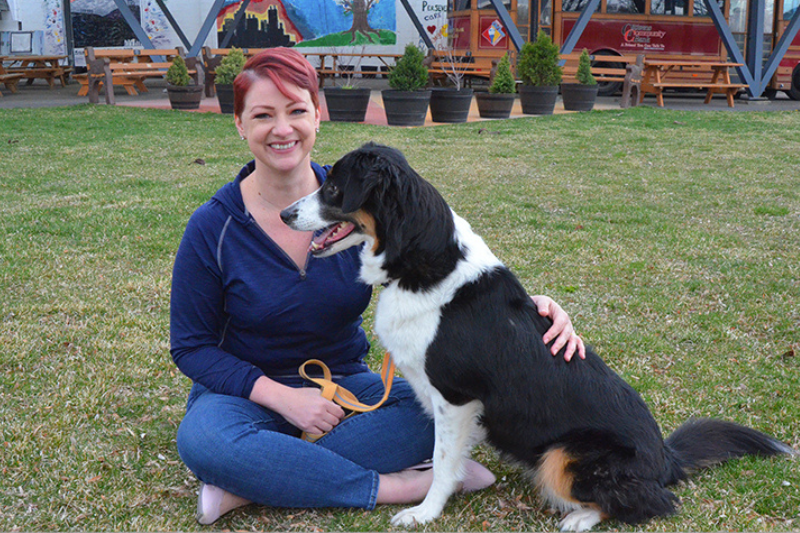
332 191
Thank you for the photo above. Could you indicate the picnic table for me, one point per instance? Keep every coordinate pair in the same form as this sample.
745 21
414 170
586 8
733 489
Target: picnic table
347 64
686 74
47 67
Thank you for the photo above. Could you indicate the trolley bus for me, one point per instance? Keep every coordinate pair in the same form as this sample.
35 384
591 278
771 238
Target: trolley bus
668 29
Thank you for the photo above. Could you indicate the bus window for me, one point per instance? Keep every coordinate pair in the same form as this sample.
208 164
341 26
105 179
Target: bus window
670 7
701 10
544 17
790 8
625 6
486 4
576 5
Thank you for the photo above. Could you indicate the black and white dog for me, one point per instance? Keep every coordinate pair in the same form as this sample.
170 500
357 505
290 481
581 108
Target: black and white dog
465 334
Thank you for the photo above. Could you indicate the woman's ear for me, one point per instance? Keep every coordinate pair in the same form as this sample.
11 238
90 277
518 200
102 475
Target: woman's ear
237 120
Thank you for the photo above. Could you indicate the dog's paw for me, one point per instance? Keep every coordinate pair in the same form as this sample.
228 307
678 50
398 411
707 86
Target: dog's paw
581 520
414 516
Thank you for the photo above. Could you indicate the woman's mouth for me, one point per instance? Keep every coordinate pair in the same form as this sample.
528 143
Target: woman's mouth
283 146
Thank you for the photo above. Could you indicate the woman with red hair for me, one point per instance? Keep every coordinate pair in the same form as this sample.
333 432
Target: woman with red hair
249 305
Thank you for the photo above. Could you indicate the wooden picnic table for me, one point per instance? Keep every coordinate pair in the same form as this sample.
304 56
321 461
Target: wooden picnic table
47 67
347 63
656 72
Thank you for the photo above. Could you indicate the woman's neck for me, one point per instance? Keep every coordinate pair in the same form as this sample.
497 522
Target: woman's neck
279 190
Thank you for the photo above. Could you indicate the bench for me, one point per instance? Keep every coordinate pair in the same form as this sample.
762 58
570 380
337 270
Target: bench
128 68
444 66
605 68
211 59
9 80
348 65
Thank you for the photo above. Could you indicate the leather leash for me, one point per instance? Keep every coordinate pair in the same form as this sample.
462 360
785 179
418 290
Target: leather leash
343 397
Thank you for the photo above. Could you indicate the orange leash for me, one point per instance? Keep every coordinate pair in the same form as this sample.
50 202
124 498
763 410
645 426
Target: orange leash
343 397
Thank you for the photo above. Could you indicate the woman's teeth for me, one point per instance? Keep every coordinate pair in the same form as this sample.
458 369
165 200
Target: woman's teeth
283 146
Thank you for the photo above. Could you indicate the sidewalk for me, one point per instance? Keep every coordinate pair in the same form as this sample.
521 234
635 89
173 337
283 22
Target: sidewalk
40 95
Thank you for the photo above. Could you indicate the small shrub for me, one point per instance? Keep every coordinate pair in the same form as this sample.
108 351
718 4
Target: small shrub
584 74
503 81
409 73
538 62
178 74
230 67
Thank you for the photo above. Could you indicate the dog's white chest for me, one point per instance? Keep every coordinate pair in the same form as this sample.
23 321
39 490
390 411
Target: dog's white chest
406 324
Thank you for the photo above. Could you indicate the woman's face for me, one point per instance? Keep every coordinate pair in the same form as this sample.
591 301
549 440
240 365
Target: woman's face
280 131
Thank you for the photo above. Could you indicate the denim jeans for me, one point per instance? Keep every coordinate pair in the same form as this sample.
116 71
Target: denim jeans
252 452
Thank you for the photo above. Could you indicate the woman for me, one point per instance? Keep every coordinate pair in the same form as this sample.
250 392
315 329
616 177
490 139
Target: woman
250 304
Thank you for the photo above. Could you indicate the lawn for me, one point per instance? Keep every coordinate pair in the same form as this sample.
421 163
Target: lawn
672 238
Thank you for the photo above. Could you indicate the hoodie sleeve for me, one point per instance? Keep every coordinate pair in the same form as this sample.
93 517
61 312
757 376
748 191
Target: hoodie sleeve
197 312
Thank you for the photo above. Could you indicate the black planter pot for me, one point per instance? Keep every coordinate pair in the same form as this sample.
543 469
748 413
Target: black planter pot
537 100
450 105
495 105
405 108
578 97
347 105
225 98
185 97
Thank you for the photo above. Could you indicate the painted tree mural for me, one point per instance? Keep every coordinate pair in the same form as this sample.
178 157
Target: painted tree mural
359 9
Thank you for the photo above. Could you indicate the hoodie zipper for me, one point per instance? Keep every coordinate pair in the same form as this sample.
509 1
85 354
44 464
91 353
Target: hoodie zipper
301 270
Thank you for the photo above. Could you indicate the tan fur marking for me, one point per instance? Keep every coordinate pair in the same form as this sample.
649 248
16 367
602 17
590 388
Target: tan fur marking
552 477
367 223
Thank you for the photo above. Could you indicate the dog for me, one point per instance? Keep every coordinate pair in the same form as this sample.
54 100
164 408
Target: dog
468 338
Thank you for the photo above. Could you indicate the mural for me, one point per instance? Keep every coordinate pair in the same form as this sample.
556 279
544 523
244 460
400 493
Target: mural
99 23
156 25
54 37
307 23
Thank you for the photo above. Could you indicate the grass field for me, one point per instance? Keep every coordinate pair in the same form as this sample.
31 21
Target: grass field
672 239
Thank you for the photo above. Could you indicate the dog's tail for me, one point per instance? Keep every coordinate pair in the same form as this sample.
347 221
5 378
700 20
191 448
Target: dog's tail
704 442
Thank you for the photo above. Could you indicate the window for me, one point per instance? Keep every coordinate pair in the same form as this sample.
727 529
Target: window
790 8
701 10
670 7
576 5
625 6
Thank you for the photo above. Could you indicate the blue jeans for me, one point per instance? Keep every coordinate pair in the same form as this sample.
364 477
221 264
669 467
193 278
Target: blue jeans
252 452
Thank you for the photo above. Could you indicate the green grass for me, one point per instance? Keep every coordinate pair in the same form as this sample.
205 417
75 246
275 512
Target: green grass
672 238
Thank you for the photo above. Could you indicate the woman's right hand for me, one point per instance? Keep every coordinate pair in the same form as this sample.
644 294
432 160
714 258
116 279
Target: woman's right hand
304 408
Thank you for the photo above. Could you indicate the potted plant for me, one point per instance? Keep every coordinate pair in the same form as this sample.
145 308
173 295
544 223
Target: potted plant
540 73
182 93
450 103
348 102
580 96
230 67
499 101
406 103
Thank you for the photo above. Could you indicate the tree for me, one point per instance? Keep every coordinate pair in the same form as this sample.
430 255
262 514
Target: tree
359 9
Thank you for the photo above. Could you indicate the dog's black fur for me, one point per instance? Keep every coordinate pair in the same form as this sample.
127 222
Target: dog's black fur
488 347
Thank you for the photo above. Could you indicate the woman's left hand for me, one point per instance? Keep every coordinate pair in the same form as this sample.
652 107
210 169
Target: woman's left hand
561 330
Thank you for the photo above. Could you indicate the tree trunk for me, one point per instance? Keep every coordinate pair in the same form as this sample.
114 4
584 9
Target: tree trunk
360 23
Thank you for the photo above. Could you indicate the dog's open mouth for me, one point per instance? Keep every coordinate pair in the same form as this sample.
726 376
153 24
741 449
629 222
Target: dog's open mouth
330 236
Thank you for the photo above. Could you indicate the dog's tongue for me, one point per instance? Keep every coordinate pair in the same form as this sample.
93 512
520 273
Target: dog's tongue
331 235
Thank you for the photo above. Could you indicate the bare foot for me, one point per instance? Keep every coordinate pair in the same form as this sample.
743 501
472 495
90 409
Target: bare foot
406 486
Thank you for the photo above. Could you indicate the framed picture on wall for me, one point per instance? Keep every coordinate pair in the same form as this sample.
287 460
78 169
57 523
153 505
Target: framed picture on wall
21 42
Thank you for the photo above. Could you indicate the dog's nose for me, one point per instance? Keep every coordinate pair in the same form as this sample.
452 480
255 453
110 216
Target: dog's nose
289 214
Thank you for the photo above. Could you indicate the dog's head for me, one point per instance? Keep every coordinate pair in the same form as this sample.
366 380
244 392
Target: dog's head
373 195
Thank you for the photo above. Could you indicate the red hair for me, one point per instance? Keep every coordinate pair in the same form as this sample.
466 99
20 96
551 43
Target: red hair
281 65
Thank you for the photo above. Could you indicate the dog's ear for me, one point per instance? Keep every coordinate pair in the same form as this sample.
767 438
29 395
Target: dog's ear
358 168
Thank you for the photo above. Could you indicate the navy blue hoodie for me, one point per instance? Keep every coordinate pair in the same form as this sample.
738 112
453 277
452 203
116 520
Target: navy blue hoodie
241 308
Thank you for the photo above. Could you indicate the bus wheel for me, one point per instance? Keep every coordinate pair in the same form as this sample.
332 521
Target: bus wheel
794 90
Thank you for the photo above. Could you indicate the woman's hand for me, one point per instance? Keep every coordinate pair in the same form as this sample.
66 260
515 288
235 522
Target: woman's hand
561 330
304 408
